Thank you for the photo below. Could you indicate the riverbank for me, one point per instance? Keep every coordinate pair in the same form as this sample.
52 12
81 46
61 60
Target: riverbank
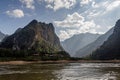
59 61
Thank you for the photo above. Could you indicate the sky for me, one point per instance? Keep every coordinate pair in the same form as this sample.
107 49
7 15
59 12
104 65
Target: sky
69 17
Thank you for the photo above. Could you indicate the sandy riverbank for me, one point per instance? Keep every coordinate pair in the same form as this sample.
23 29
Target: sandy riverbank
59 61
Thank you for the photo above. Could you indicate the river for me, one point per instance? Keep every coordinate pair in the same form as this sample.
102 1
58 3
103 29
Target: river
61 71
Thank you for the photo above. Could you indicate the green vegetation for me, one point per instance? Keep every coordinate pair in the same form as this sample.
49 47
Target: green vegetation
31 55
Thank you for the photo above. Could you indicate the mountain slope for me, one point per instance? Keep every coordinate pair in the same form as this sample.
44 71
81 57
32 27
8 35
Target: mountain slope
36 36
94 45
111 48
2 36
77 42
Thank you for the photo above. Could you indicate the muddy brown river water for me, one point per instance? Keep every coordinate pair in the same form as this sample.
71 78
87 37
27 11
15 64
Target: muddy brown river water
61 71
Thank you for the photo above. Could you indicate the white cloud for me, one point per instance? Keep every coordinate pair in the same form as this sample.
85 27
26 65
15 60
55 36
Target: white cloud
113 5
73 20
97 9
63 35
102 8
94 4
49 6
104 13
17 13
96 17
84 2
75 24
89 26
28 3
94 13
58 4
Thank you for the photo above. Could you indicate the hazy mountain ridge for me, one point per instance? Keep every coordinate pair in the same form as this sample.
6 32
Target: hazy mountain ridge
110 48
77 42
88 49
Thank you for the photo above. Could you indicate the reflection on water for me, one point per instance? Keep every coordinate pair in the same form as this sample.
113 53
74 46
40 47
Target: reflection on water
63 71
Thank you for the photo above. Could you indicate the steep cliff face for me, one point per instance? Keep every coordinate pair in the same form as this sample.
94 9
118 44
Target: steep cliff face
37 36
111 48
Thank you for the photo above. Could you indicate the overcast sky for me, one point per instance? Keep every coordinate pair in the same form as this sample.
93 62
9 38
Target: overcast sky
68 16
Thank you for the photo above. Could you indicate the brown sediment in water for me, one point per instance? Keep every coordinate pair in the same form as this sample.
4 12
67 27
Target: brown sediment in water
14 62
59 61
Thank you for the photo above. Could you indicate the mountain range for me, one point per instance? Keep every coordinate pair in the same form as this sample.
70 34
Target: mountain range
88 49
37 37
110 49
79 41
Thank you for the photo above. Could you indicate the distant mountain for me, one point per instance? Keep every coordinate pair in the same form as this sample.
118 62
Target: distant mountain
2 36
36 36
111 48
79 41
88 49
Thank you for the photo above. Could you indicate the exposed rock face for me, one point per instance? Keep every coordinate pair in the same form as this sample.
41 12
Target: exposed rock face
79 41
111 48
88 49
36 35
2 36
